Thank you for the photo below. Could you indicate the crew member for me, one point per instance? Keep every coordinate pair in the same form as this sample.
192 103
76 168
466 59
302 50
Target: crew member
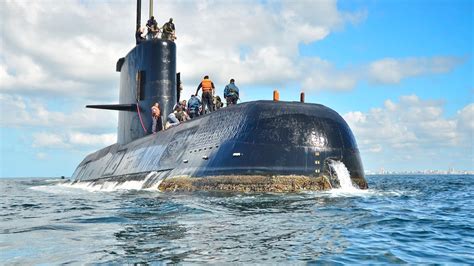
156 116
169 32
217 102
207 92
231 93
193 106
172 120
183 105
181 114
153 29
138 36
153 32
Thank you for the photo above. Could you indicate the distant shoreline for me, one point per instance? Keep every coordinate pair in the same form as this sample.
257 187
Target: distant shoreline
372 174
367 174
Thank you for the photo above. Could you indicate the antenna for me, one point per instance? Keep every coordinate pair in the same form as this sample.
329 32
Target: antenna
151 8
139 13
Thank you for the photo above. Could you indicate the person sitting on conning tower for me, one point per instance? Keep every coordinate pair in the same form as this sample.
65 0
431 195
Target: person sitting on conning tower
169 31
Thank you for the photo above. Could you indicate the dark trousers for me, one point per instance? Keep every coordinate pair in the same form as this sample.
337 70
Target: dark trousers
157 124
207 101
231 100
193 113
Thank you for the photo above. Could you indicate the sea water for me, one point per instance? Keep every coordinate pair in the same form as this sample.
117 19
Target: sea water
400 219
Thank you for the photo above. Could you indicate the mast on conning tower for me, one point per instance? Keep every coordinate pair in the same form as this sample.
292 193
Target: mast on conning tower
151 8
139 14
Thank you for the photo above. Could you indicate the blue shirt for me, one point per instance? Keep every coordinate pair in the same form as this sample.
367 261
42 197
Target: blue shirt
231 90
193 103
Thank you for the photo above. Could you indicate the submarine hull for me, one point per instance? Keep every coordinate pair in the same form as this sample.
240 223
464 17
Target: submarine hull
254 146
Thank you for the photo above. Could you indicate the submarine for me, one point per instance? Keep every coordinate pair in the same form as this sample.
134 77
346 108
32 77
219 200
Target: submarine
262 146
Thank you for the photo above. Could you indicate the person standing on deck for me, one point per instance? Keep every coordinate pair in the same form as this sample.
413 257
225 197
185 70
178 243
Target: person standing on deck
231 93
207 92
193 106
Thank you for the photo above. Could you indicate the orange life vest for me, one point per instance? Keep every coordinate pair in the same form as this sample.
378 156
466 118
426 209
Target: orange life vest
206 85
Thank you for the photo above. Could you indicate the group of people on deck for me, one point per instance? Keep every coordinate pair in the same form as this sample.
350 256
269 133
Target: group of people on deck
168 31
194 107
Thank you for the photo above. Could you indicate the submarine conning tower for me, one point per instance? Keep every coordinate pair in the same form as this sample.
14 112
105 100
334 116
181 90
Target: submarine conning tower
147 75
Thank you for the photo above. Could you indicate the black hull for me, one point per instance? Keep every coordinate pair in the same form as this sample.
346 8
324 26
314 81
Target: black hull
263 145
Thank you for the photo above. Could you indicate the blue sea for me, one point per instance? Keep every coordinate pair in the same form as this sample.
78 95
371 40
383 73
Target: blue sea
400 219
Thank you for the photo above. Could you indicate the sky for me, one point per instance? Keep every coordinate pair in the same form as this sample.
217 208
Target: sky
400 72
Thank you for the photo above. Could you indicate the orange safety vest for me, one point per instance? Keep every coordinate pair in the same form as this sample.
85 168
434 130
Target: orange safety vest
206 85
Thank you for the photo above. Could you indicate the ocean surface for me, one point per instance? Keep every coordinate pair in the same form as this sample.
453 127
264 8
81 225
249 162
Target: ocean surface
400 219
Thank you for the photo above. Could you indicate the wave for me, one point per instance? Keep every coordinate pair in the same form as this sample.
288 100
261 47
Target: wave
107 186
364 193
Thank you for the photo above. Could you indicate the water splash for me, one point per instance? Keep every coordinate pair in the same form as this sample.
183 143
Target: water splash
148 183
343 176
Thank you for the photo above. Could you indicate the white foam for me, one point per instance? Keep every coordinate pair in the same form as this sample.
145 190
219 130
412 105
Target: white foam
107 186
155 186
53 189
363 193
344 177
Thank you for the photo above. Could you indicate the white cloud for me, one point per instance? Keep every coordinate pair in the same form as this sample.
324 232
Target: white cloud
92 139
60 130
62 48
77 43
412 128
71 140
465 123
17 111
319 74
392 70
48 140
